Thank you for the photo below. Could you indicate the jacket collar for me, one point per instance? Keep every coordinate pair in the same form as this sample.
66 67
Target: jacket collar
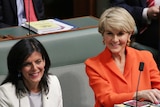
106 58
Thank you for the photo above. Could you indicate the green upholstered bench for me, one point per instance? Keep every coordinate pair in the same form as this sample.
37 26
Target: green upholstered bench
67 51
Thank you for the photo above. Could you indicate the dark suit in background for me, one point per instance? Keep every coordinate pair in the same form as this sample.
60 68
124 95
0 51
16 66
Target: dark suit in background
135 7
8 12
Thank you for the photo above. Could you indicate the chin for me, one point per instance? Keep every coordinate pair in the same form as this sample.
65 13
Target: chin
36 78
115 50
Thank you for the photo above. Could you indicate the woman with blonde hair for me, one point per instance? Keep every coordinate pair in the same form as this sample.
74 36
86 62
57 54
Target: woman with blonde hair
114 73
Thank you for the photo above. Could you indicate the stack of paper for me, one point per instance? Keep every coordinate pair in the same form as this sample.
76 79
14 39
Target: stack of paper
47 26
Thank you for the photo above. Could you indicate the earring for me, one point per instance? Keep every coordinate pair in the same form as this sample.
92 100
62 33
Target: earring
20 85
19 75
128 42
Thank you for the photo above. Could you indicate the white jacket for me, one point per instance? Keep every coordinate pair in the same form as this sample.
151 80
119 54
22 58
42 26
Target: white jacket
8 96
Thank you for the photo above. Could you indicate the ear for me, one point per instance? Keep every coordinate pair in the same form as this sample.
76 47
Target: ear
129 39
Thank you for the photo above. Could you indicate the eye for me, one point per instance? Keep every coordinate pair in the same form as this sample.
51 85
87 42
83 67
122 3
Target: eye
121 33
108 33
26 64
38 61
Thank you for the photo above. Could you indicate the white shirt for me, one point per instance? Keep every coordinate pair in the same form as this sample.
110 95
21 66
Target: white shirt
144 14
20 12
157 2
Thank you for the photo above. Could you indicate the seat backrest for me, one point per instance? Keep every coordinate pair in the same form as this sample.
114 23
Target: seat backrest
75 85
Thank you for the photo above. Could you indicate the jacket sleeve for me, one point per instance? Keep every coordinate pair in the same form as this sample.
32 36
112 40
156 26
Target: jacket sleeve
104 93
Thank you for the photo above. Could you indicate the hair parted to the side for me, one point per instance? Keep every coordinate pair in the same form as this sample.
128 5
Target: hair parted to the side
18 54
116 18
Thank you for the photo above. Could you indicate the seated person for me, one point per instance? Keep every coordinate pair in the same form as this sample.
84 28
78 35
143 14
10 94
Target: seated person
113 73
12 12
28 83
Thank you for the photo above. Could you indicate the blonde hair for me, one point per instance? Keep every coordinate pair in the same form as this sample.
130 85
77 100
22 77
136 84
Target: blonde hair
116 18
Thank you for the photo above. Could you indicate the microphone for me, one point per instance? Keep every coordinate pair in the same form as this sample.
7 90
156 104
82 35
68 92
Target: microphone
141 67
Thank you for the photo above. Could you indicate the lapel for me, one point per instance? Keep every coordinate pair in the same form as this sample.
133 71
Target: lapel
112 66
24 101
13 5
45 100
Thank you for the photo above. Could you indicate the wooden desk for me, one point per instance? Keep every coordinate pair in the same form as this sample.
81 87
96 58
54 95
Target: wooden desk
18 32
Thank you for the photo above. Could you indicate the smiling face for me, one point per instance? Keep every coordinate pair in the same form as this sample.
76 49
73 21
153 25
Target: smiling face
116 41
116 25
33 69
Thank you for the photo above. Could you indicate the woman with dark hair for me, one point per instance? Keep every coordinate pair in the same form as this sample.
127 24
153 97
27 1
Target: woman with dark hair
28 81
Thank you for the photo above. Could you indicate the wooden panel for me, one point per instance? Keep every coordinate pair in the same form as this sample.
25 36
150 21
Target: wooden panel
92 7
71 8
84 8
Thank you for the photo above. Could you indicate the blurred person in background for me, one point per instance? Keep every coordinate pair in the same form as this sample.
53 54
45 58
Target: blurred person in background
15 12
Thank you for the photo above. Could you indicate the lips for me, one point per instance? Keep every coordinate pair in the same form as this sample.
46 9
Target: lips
115 45
34 74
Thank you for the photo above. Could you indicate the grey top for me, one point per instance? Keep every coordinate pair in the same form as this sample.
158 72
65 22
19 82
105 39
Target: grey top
35 99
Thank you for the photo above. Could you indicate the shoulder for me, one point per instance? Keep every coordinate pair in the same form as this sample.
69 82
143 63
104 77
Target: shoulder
54 85
54 81
53 78
7 87
103 56
131 53
7 94
96 57
139 53
92 61
141 56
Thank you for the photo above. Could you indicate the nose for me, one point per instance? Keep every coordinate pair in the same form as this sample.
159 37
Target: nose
34 66
115 38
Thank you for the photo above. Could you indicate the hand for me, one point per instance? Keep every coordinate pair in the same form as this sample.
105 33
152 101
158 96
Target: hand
153 12
152 95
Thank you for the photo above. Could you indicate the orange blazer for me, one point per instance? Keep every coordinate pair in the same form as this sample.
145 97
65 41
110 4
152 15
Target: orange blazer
110 86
